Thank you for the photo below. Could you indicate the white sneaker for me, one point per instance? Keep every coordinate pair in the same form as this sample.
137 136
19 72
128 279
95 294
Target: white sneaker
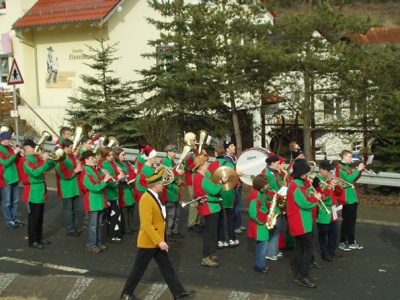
242 228
222 244
233 243
238 231
272 257
280 254
356 246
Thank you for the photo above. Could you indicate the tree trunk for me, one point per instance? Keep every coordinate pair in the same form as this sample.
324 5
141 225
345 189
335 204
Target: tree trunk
307 117
236 126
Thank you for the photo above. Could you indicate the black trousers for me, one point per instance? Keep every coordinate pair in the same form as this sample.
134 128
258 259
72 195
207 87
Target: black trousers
327 237
348 229
210 234
230 216
143 257
303 254
113 220
35 222
127 215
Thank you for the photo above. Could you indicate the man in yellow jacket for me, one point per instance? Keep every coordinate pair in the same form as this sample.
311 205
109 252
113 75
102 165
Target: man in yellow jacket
152 242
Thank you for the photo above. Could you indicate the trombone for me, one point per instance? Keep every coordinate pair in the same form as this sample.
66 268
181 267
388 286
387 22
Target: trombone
202 199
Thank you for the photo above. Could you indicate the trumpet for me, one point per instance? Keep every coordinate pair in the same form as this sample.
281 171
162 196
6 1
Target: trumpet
343 183
321 203
22 152
202 199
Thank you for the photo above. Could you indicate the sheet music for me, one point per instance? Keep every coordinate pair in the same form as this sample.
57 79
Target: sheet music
283 191
335 209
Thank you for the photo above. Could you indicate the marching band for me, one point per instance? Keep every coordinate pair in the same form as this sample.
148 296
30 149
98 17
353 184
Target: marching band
282 197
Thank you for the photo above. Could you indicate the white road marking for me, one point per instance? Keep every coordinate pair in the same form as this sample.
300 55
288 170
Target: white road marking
5 280
156 291
81 284
238 295
44 265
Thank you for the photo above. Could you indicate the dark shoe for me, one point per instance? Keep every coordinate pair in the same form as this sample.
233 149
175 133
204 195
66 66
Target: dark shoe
336 255
170 238
45 242
326 257
18 223
73 233
115 241
195 228
36 245
184 294
306 282
315 265
264 271
101 246
94 249
78 231
178 236
127 297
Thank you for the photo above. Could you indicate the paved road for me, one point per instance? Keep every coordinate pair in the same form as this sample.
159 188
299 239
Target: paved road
371 273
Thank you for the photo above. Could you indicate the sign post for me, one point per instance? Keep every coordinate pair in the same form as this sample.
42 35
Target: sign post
15 77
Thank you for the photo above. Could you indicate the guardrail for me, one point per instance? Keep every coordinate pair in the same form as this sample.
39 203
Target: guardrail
376 179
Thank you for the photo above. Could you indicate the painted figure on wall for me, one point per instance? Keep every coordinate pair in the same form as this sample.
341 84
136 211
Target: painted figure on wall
52 66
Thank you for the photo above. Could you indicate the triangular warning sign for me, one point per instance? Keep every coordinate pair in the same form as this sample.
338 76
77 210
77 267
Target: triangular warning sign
15 76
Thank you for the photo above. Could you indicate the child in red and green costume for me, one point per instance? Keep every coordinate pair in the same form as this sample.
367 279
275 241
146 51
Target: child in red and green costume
228 201
67 176
141 185
300 219
258 211
32 168
349 199
95 200
204 187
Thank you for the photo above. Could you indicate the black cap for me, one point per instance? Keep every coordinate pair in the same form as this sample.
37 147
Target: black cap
270 159
326 165
87 154
227 144
29 142
300 168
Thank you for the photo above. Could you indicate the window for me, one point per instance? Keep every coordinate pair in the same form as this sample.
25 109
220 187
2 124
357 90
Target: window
3 69
165 56
2 4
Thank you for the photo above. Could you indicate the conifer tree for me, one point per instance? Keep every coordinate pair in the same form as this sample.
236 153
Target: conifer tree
104 102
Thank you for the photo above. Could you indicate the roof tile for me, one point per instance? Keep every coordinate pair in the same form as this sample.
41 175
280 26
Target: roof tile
56 12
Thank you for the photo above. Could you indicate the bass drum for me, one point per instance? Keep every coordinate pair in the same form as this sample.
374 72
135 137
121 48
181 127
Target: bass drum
251 163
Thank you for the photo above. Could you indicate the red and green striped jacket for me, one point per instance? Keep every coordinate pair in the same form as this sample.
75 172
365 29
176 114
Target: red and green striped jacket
275 183
139 163
141 183
67 179
228 197
31 171
95 196
258 211
300 205
172 191
112 189
349 194
8 166
203 186
126 197
189 165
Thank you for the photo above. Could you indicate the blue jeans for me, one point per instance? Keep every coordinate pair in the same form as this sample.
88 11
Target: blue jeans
71 211
238 208
261 250
10 197
94 228
273 248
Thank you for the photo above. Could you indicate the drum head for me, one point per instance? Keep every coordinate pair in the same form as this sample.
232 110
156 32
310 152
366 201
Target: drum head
251 163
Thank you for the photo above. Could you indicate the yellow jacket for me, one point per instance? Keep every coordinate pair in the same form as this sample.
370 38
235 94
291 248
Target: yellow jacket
152 223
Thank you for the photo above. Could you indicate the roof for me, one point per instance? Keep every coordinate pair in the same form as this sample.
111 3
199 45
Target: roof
59 12
379 36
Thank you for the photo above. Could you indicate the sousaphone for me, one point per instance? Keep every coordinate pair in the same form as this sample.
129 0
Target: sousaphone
228 172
